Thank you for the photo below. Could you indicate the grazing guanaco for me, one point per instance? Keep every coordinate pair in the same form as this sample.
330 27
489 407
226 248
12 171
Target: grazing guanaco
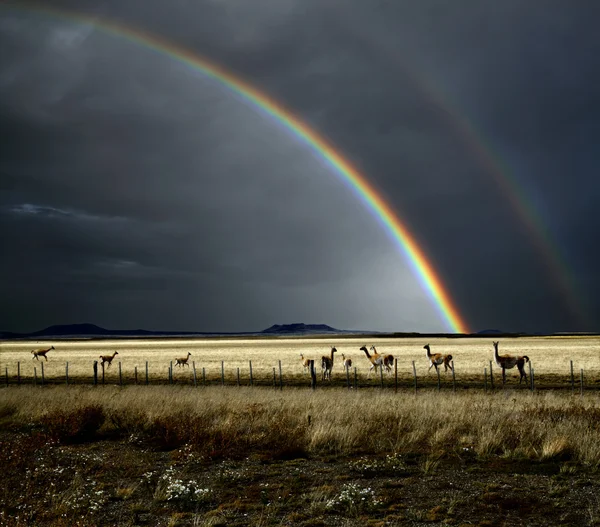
506 362
347 362
41 353
327 365
376 360
107 358
436 359
183 361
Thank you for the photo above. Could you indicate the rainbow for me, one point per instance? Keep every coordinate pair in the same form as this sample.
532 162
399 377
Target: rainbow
405 241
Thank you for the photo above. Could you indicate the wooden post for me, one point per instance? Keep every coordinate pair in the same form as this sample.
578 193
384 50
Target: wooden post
396 375
146 373
572 378
19 373
491 376
203 376
251 379
438 376
34 376
313 375
530 377
415 375
103 374
485 380
222 373
95 373
381 375
274 378
238 376
67 373
171 372
135 374
581 382
532 380
280 377
194 369
453 377
120 375
348 378
355 379
43 377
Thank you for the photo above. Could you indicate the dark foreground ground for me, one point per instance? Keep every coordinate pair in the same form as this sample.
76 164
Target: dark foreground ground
127 482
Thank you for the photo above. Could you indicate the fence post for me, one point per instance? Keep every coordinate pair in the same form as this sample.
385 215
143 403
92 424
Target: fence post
146 373
396 375
572 379
194 369
135 374
222 373
120 375
103 374
415 375
581 382
251 379
43 377
355 379
19 373
532 380
348 378
95 373
313 375
171 372
238 376
280 377
67 373
491 377
485 380
453 377
203 376
34 376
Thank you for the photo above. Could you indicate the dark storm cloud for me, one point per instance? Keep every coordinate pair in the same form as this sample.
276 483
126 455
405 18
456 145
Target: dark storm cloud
153 198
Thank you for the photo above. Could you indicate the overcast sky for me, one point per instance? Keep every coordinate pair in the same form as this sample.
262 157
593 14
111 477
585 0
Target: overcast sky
135 192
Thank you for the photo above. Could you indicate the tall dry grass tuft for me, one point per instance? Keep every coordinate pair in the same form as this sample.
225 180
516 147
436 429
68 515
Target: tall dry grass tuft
232 422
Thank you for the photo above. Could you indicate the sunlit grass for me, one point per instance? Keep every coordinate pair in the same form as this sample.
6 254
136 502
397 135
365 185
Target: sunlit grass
550 358
231 421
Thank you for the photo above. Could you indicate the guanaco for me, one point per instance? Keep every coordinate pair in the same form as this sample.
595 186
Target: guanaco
183 361
376 360
327 365
436 359
41 353
506 362
107 358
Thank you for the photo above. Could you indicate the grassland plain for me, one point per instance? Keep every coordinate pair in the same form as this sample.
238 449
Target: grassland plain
550 358
185 456
164 455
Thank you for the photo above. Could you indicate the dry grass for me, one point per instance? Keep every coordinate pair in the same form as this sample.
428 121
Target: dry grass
550 357
231 422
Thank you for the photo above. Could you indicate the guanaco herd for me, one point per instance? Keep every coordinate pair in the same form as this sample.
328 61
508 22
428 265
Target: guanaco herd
385 362
377 360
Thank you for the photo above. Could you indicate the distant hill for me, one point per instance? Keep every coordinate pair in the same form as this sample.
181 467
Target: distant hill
302 329
91 331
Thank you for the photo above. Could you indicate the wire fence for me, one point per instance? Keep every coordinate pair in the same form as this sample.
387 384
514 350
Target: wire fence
188 373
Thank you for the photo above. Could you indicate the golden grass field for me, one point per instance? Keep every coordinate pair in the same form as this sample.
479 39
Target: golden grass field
549 357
